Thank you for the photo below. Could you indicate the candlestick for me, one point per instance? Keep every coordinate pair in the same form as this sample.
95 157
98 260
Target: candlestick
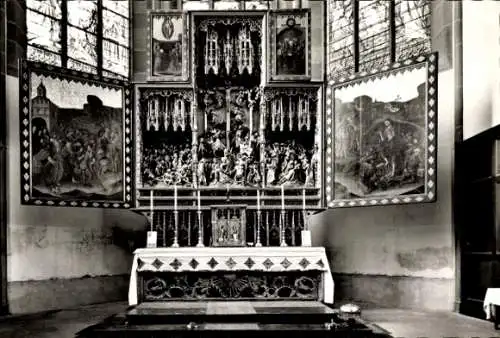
199 200
283 197
176 229
259 222
282 228
175 197
151 208
304 199
258 199
200 228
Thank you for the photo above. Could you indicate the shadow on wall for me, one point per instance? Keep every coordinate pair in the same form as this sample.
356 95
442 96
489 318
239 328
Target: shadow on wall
129 229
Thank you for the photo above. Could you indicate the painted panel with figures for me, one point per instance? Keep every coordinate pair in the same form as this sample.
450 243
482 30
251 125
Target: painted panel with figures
168 46
382 138
75 138
290 50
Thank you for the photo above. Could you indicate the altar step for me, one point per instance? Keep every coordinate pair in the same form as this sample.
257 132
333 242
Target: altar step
232 319
263 312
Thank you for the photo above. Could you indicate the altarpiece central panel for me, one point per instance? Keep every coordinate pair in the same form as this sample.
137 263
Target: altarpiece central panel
229 128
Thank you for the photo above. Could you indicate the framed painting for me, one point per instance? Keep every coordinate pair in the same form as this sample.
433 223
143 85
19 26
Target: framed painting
382 135
75 138
168 47
290 47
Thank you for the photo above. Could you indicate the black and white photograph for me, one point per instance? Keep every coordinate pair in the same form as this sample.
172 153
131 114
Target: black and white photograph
237 168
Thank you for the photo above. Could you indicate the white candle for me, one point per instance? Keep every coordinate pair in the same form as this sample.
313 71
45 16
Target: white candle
304 199
199 201
175 197
151 201
151 207
258 199
283 197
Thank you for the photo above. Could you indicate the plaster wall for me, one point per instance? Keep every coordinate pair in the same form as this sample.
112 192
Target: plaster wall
481 73
51 249
402 256
398 256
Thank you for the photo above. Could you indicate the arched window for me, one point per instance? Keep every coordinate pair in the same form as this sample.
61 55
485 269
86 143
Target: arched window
236 4
363 35
86 35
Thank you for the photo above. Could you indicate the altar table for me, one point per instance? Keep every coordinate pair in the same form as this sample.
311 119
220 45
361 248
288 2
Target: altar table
241 259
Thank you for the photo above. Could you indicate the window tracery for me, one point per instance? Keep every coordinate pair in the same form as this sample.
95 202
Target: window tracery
363 35
85 35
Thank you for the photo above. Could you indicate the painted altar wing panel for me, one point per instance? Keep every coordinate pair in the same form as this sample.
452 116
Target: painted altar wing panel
381 136
290 45
75 135
168 46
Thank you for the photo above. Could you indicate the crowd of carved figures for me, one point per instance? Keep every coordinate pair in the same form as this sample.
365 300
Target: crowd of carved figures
290 163
167 165
236 141
230 142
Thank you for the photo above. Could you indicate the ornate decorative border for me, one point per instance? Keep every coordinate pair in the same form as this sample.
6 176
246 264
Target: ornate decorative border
185 48
26 69
430 61
272 45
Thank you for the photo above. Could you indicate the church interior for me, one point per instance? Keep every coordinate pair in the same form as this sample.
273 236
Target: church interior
249 167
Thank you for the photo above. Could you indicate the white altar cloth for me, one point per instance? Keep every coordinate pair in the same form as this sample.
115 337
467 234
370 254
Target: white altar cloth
266 259
491 298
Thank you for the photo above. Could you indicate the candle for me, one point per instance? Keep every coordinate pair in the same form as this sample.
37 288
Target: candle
304 199
199 201
258 199
151 207
151 201
283 197
175 197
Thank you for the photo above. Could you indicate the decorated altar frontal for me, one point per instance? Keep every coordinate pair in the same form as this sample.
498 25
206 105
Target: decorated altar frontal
223 273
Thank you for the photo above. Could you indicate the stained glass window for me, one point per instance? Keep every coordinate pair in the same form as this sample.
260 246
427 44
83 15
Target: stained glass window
260 4
365 35
83 14
227 5
188 5
340 37
44 32
116 37
374 37
413 28
66 33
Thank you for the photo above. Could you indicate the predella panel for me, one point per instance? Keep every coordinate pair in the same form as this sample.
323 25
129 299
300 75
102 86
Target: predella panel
381 135
75 133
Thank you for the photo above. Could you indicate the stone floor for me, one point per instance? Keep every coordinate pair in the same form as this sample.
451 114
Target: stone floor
401 323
